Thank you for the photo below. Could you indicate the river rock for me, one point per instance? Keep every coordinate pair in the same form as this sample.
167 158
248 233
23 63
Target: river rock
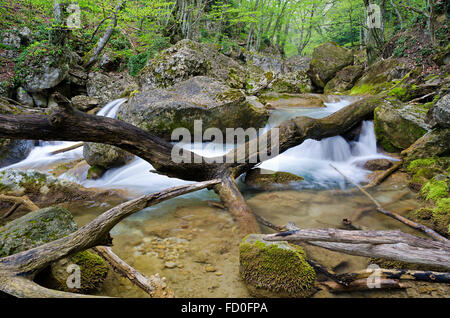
377 164
274 269
105 156
328 59
188 59
296 82
441 112
34 229
160 111
108 87
93 270
380 76
40 100
398 125
43 188
432 144
274 100
297 63
265 62
13 151
344 79
109 62
268 180
85 103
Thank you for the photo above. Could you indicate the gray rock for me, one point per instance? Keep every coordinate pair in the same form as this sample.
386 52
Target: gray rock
11 39
49 73
109 87
26 35
266 63
399 125
328 59
188 59
297 63
34 229
85 103
441 112
24 98
160 111
13 151
292 83
344 79
108 62
105 156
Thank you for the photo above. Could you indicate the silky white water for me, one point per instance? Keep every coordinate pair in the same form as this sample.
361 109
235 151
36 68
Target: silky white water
311 159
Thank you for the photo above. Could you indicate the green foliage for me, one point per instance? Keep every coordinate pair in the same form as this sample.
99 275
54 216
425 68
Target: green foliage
137 62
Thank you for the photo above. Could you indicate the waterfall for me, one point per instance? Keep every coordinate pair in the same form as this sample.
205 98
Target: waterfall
311 159
41 155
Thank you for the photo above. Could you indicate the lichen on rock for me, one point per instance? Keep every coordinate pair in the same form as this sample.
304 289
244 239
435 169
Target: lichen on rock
267 179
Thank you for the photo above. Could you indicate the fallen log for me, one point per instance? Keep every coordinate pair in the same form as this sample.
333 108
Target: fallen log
361 285
76 146
18 201
153 285
384 175
394 245
401 274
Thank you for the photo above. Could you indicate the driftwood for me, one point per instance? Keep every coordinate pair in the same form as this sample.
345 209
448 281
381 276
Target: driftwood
361 285
153 285
384 175
401 274
76 146
433 234
18 271
394 245
18 201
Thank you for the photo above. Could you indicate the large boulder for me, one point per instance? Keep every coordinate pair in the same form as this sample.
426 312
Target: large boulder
381 76
188 59
85 103
275 100
344 79
265 62
432 144
328 59
441 112
45 67
24 98
108 87
34 229
399 125
160 111
105 156
274 269
297 63
296 82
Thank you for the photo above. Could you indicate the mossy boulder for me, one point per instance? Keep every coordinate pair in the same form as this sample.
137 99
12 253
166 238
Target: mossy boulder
267 179
93 270
344 79
381 76
433 143
44 66
328 59
293 83
275 269
34 229
377 164
95 172
188 59
105 156
398 125
422 170
108 87
160 111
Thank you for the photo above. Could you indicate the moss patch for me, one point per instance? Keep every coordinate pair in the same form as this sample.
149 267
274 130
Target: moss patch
275 268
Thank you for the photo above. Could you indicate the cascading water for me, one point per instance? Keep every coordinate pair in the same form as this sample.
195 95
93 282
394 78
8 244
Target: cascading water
311 159
41 156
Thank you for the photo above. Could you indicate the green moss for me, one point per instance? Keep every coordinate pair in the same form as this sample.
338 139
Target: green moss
434 190
277 268
95 172
93 269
